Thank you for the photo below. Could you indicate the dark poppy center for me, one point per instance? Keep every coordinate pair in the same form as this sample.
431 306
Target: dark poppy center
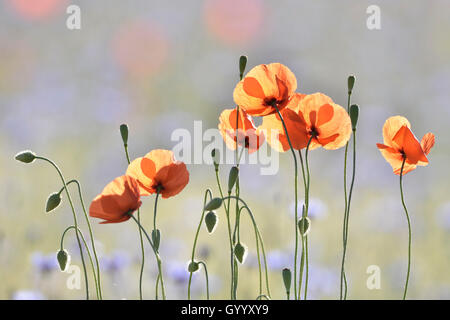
158 187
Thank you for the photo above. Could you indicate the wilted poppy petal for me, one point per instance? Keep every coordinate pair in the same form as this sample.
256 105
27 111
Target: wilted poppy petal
427 142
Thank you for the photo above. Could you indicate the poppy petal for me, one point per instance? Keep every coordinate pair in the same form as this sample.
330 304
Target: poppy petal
410 145
427 142
253 88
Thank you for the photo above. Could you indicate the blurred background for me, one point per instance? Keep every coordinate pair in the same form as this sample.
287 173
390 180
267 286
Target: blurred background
160 65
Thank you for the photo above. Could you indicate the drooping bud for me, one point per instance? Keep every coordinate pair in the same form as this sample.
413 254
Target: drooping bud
213 204
63 258
287 276
193 266
156 238
350 83
53 201
242 65
216 158
232 178
124 133
240 251
304 225
211 221
25 156
354 114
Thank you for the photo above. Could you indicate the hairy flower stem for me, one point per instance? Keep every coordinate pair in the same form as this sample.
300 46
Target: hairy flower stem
141 238
409 228
75 221
295 198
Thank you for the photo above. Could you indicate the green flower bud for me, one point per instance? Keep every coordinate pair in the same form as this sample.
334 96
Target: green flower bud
232 178
25 156
354 114
240 251
287 276
350 83
156 238
211 221
53 202
124 133
216 158
63 259
214 204
193 266
304 225
242 65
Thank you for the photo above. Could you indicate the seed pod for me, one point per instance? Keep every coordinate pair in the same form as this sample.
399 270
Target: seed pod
240 251
53 202
25 156
124 133
211 221
193 266
213 204
216 158
304 225
63 258
156 238
287 276
354 114
232 178
242 65
350 83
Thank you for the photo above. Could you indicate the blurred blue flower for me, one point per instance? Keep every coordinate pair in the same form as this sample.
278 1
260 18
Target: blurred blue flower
115 262
44 263
27 295
177 271
277 260
317 208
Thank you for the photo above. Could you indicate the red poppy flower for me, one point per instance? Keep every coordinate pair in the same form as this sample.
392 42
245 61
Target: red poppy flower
118 200
248 135
159 172
313 116
265 87
401 144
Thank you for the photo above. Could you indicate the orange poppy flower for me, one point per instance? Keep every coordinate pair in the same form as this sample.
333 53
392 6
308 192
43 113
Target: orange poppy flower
158 171
118 199
248 135
400 143
313 116
264 87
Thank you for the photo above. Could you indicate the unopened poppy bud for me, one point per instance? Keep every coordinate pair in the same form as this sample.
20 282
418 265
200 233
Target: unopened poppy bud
242 65
156 238
211 221
193 266
216 157
350 83
240 251
124 133
303 225
53 201
213 204
287 276
25 156
232 178
63 259
354 114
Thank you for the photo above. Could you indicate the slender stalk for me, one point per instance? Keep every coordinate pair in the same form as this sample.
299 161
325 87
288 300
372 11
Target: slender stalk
295 198
237 211
91 234
206 278
74 220
158 259
409 228
207 192
141 238
87 249
157 249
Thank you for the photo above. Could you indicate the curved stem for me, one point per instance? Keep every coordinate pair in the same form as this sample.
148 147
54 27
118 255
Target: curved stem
159 244
158 259
91 234
207 192
207 279
409 229
295 198
141 238
74 220
86 247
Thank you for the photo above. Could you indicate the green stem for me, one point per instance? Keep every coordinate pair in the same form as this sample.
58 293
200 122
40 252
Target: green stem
295 198
154 228
91 234
207 192
409 228
158 259
207 279
74 220
86 247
